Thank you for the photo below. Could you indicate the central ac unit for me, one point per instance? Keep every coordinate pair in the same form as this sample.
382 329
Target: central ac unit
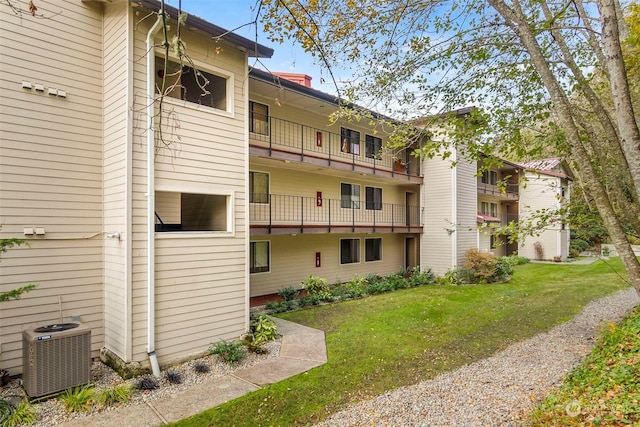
55 357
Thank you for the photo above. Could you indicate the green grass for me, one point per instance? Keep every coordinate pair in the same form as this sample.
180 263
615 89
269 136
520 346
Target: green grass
390 340
605 389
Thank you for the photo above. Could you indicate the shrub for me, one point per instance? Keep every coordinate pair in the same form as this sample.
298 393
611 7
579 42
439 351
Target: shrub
200 367
483 264
288 293
229 352
273 307
173 376
263 329
419 278
78 398
504 269
309 300
24 414
579 245
316 286
147 383
118 394
517 260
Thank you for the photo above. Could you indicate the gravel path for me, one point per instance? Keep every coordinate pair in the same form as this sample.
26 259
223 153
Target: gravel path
498 391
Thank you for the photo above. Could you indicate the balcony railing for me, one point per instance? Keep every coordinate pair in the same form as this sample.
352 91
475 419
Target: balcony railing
276 134
508 190
300 213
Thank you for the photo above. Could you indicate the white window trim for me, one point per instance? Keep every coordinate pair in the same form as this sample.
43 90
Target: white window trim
381 249
229 77
202 189
359 250
270 259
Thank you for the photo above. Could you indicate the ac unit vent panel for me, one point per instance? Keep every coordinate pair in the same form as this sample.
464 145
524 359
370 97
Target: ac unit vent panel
56 360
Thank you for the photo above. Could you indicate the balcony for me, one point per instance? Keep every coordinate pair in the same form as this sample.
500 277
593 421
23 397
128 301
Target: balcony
290 141
497 220
282 214
508 190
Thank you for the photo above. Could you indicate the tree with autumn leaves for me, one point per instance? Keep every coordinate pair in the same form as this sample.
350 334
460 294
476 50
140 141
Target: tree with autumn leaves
551 70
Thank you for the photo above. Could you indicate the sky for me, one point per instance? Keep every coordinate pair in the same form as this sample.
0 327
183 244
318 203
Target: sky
231 14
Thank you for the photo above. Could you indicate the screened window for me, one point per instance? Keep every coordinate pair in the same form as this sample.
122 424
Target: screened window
373 249
259 257
373 198
191 212
258 187
494 209
350 196
485 177
373 146
349 251
186 83
350 141
493 178
485 208
258 118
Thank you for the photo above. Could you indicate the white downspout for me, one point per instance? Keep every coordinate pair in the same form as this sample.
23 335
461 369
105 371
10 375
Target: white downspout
151 202
454 211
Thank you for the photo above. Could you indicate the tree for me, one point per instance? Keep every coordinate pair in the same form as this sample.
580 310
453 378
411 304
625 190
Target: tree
555 68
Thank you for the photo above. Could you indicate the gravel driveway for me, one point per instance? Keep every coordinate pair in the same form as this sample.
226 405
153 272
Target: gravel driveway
500 390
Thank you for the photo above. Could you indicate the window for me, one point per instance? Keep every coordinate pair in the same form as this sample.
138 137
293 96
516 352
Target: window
349 251
372 146
197 86
259 257
258 118
485 177
494 209
350 196
350 141
485 208
373 198
177 211
373 249
258 187
493 178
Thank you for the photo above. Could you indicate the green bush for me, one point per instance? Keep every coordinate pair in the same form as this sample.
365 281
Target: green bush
579 245
504 269
78 399
112 396
274 307
288 293
229 352
309 300
419 278
315 285
263 329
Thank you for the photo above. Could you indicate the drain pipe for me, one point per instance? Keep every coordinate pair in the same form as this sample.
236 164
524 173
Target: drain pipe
151 227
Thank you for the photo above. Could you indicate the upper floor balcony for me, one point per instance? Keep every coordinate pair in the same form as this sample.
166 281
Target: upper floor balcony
507 190
290 141
284 214
497 219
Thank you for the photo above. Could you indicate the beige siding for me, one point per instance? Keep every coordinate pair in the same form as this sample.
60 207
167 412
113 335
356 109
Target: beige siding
51 170
293 259
438 216
466 206
200 277
540 192
117 25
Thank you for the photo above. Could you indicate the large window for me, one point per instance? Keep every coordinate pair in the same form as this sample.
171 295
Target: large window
484 208
258 118
494 209
350 141
350 196
197 86
372 146
258 187
349 251
373 249
259 257
177 211
373 198
490 177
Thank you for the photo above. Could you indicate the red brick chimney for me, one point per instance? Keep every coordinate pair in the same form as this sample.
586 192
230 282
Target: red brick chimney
301 79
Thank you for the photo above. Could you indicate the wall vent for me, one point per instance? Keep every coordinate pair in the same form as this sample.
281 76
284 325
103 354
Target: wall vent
55 357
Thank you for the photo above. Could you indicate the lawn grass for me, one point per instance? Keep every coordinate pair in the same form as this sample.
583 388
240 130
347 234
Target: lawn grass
390 340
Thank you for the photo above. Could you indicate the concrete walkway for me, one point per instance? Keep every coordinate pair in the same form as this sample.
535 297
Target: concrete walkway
302 348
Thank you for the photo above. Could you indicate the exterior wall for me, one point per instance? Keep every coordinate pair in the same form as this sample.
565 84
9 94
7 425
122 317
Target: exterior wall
438 192
293 259
541 192
466 205
200 277
51 163
116 190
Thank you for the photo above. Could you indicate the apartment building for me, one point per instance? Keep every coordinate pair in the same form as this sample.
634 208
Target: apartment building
155 223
